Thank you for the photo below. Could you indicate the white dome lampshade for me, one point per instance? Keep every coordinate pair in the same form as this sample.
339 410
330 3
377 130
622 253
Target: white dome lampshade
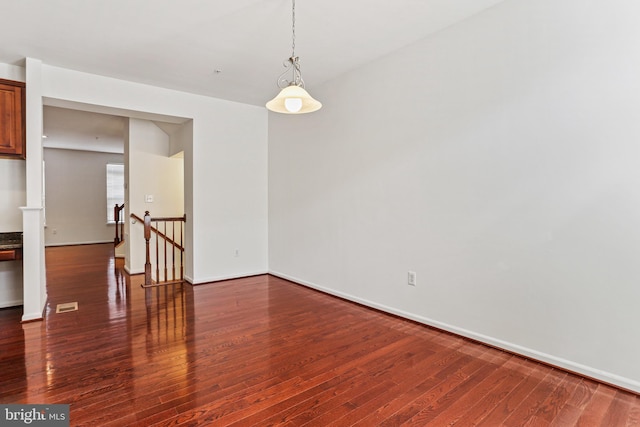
293 99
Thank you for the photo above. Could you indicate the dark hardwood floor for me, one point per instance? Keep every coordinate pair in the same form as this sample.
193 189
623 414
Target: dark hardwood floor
263 351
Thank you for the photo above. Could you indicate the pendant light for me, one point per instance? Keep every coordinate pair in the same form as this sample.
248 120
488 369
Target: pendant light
293 98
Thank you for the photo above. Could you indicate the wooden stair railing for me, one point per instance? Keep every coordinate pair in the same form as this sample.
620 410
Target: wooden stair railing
173 272
118 218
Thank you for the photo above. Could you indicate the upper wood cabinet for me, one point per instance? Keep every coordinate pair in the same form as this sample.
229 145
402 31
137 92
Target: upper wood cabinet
12 114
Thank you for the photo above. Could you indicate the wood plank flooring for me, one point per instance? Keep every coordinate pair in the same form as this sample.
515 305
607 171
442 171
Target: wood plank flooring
263 351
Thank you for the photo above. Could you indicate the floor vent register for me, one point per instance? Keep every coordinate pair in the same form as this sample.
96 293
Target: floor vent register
68 306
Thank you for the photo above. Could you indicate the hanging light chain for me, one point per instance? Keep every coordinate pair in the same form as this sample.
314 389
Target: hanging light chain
297 75
292 64
293 29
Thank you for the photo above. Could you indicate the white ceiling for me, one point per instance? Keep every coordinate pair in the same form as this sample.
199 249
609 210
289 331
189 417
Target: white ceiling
180 44
82 130
72 129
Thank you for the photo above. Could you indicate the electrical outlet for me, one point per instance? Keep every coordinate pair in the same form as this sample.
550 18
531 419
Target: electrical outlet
237 253
411 278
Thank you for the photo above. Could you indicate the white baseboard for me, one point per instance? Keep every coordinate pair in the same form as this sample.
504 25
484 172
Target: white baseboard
14 303
220 278
606 377
132 272
31 316
97 242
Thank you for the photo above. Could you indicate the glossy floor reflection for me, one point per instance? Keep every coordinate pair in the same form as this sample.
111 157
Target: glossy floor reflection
263 351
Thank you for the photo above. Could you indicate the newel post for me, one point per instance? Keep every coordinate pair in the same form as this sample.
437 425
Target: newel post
116 240
147 236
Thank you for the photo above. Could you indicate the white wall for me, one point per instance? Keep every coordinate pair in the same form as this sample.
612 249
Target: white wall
12 194
10 283
499 160
76 196
150 172
12 72
225 166
180 138
12 197
187 137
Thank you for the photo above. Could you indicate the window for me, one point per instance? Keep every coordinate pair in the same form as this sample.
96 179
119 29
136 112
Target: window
115 188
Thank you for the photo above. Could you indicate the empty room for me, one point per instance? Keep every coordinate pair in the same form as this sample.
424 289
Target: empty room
293 212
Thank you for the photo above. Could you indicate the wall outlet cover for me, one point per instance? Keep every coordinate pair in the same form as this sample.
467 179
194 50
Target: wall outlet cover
411 278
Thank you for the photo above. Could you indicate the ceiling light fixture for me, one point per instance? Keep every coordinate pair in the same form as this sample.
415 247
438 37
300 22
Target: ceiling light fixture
293 98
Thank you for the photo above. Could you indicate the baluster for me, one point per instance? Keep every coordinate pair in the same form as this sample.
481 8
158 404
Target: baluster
182 251
165 250
157 256
173 251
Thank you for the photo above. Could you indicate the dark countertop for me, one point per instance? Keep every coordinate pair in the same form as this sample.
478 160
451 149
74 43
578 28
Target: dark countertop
12 240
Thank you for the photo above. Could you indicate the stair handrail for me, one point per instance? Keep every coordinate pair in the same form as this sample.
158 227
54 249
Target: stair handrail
160 233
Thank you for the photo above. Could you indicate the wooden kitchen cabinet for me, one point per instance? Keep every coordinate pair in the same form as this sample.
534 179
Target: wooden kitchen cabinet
12 115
